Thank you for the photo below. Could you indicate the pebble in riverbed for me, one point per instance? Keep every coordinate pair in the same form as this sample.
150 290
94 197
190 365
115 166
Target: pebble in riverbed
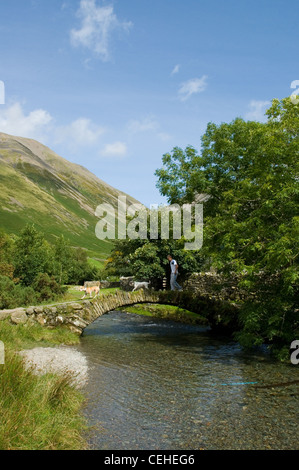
60 360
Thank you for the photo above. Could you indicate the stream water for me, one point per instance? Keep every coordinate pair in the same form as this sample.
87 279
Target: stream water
157 385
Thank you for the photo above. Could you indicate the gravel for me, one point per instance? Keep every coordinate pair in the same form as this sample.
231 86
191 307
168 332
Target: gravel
59 360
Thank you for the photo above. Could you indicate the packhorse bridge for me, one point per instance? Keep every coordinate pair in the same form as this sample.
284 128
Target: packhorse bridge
218 313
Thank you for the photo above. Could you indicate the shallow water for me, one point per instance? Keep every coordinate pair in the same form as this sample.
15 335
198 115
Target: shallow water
156 384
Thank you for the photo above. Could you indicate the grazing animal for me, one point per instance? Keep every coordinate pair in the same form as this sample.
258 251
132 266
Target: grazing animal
140 285
91 287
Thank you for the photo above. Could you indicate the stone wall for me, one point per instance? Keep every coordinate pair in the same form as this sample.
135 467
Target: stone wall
77 316
127 283
69 314
110 284
207 284
212 285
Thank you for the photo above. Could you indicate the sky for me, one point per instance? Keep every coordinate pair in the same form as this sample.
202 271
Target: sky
114 85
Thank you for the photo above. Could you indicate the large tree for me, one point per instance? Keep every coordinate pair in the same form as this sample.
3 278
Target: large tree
32 255
146 258
6 255
250 173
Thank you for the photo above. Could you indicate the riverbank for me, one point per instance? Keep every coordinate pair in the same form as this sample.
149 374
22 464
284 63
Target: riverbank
62 361
40 398
40 383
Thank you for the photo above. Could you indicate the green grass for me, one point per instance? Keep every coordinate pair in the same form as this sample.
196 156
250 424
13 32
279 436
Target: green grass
110 290
167 312
60 198
96 263
37 412
53 213
17 337
71 295
74 295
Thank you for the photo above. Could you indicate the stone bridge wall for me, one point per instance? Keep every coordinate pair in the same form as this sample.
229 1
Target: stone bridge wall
78 315
206 284
212 285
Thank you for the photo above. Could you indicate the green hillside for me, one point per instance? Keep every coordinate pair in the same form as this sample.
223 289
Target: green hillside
59 197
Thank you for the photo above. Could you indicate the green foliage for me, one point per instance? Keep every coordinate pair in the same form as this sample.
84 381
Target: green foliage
55 195
33 271
147 259
47 288
80 270
146 262
71 264
37 412
32 255
250 173
13 296
62 259
17 337
6 255
167 312
6 247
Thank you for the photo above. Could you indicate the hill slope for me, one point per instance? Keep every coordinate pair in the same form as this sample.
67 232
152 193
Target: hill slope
59 197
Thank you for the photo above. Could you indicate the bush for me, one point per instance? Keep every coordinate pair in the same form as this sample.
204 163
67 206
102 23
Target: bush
16 295
13 296
47 288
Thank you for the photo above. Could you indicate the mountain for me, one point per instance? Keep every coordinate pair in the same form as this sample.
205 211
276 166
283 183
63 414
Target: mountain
59 197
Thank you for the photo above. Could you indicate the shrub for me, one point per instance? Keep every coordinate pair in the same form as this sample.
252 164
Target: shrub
47 288
13 296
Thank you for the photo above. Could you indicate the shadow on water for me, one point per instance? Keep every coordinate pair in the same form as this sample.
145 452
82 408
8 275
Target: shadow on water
157 384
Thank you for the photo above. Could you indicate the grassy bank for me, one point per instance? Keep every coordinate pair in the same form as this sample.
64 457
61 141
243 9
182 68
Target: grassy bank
37 412
73 294
167 312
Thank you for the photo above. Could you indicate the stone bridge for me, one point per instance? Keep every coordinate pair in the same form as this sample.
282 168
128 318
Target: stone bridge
78 315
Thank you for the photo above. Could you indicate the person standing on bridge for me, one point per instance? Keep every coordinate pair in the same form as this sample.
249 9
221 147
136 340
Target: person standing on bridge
174 274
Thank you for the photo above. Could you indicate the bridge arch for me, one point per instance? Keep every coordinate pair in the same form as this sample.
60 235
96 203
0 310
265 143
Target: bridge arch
218 313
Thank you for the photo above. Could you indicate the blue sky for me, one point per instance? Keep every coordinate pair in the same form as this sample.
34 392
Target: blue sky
113 85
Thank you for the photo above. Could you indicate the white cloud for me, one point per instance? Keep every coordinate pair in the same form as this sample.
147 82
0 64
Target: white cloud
143 125
257 110
82 132
164 136
191 87
97 24
117 149
34 125
147 124
40 125
176 69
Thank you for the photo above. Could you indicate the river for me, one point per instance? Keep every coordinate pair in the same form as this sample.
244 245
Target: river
157 385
